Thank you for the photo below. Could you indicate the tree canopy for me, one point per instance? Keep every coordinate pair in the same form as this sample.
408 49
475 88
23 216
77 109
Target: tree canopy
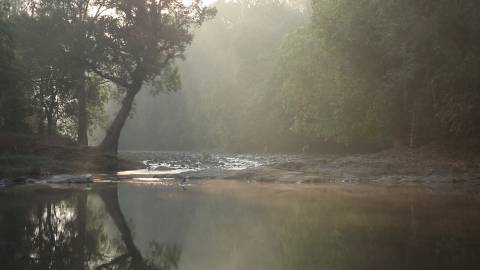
369 71
72 52
344 74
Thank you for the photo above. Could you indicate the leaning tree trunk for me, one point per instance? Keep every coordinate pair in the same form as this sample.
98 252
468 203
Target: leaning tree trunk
41 122
112 205
109 144
82 111
413 125
51 124
82 224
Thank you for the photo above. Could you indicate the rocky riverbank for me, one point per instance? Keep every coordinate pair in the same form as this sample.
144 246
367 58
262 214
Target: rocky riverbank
29 158
430 167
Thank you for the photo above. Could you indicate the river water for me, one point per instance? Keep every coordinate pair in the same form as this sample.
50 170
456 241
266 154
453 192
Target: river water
230 225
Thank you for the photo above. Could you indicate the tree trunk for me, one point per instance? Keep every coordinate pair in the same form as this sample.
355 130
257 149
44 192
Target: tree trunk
413 126
109 144
41 122
82 112
51 124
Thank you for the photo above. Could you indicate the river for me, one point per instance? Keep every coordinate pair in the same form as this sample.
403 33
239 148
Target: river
164 223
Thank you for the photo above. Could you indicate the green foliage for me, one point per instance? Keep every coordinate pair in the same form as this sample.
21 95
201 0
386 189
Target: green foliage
378 71
257 77
140 43
139 46
358 74
166 81
49 41
13 100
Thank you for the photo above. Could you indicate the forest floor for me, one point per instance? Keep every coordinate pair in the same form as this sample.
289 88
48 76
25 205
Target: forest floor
428 165
36 156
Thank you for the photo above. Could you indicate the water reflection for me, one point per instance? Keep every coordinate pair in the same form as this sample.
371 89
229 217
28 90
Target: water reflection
231 225
73 229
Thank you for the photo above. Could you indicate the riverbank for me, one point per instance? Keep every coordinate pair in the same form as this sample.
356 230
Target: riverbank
32 156
431 166
401 166
25 157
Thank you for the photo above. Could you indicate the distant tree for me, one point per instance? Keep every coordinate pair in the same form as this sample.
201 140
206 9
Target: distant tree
81 16
138 45
52 37
77 18
13 100
47 67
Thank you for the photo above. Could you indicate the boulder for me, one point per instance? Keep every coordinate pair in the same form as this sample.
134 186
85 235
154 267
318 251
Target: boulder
5 183
19 180
68 178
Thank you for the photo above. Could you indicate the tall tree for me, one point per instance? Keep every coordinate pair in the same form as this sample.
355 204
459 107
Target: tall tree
82 15
40 37
52 39
138 45
12 96
78 18
225 103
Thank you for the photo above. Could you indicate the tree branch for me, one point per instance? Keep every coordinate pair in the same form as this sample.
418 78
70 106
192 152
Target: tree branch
111 78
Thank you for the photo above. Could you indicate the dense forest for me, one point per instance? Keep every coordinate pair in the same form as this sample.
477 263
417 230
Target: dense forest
261 76
64 58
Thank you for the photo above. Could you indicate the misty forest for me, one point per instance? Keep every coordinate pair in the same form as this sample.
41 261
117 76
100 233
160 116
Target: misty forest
239 134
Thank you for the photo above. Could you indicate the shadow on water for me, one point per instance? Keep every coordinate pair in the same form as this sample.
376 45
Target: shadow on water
230 225
73 229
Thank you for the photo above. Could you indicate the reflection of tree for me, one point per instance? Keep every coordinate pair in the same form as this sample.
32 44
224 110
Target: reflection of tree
56 230
47 231
162 256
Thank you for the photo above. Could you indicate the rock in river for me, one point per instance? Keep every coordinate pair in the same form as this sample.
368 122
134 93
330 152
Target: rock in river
5 183
68 178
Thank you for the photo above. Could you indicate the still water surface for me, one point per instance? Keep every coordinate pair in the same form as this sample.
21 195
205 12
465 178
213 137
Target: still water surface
234 225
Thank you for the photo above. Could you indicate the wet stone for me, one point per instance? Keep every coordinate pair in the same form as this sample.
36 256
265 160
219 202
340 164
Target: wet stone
68 178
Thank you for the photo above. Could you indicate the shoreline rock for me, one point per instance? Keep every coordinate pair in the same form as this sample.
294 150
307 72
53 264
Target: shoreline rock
70 179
